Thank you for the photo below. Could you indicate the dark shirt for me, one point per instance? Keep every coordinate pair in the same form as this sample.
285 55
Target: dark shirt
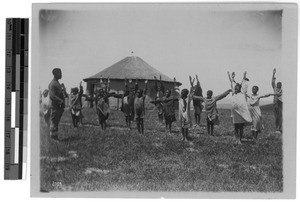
56 94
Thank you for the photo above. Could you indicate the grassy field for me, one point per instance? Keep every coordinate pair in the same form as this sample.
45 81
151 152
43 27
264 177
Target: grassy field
89 159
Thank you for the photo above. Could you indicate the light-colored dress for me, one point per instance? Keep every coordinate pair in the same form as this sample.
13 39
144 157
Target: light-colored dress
240 110
255 113
45 105
185 120
75 104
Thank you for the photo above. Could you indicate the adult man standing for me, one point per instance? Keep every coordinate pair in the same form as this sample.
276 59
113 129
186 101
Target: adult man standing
277 102
57 105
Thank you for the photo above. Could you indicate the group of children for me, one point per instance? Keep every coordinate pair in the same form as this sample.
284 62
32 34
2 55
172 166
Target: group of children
245 107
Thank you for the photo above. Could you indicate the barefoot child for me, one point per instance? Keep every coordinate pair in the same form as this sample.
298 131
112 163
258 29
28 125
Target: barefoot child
102 102
255 111
277 102
75 105
197 103
127 106
211 109
184 111
160 91
240 112
139 108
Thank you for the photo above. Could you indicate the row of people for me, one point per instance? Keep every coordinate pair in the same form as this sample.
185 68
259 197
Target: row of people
245 107
133 105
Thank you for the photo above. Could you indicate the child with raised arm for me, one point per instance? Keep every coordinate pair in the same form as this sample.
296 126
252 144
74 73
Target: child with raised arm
102 102
197 103
184 111
277 102
127 97
211 109
160 92
139 108
240 111
168 102
76 105
255 111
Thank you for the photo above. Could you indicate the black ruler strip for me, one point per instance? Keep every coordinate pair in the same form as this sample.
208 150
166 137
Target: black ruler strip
8 88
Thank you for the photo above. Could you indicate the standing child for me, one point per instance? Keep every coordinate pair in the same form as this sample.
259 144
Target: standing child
240 112
75 105
160 91
139 108
46 106
127 103
277 102
197 103
211 109
169 110
255 111
102 102
184 111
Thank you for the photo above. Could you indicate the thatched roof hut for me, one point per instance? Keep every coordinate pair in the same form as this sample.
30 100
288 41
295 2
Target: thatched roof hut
133 68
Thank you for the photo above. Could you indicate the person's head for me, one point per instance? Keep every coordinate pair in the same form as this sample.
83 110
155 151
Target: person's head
132 90
45 92
184 93
279 85
139 92
101 92
209 93
76 90
57 73
167 93
237 88
255 89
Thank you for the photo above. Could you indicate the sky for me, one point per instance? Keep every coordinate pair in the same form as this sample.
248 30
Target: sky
178 40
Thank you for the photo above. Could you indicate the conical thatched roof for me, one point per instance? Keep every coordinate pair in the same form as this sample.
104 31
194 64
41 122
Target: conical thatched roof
131 68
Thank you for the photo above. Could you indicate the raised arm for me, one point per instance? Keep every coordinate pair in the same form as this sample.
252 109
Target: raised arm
244 84
192 82
155 84
198 82
245 76
146 87
221 96
80 89
231 84
198 89
136 85
108 85
273 78
162 87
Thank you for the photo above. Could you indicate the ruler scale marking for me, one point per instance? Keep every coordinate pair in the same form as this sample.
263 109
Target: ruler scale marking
16 94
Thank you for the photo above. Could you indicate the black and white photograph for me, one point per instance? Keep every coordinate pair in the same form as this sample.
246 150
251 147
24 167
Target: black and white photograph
164 99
